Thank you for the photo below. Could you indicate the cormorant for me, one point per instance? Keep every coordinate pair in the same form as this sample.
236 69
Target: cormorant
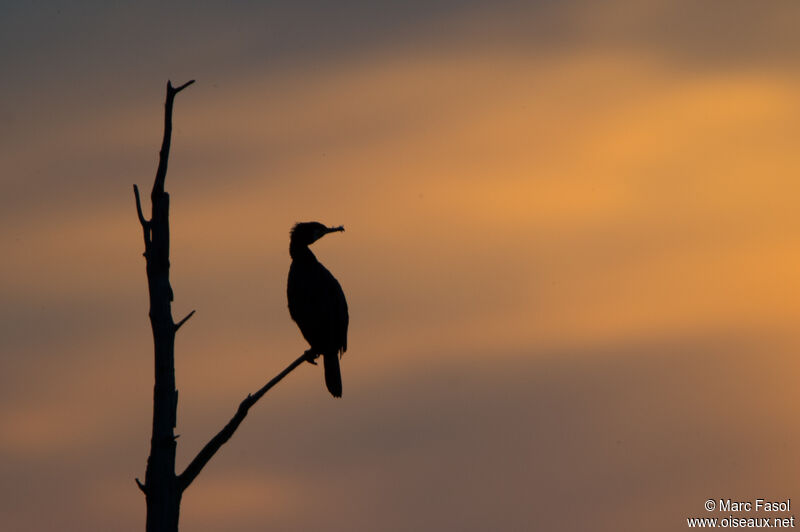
317 303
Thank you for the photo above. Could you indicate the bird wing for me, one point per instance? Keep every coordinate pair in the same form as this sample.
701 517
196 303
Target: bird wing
336 305
319 307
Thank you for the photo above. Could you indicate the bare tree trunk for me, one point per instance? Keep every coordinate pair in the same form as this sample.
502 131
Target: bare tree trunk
162 493
162 487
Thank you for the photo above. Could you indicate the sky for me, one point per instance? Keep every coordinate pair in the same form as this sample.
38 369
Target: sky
571 259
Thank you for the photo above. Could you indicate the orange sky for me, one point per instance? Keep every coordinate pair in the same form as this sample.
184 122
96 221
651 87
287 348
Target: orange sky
570 256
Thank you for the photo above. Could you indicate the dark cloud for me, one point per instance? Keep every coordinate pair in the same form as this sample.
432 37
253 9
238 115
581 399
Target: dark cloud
564 440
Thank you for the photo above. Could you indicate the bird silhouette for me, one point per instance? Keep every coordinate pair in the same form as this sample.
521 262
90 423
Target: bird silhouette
317 303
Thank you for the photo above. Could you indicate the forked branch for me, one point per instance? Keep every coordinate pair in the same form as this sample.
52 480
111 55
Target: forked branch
161 172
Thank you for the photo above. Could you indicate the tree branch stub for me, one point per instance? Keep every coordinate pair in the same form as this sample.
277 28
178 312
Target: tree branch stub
184 320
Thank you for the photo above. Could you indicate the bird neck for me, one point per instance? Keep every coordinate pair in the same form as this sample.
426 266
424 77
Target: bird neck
300 252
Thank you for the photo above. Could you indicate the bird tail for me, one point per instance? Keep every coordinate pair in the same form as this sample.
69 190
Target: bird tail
333 375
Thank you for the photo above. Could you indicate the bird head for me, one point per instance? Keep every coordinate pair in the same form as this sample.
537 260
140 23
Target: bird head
306 233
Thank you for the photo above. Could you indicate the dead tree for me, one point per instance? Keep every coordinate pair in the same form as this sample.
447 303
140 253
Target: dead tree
162 487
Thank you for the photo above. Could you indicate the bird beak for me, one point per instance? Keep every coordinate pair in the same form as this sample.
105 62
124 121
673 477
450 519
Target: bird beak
335 229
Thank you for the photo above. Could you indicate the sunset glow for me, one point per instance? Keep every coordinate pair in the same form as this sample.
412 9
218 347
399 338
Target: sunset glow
571 258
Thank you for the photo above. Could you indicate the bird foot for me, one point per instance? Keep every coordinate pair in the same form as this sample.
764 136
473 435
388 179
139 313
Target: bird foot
311 357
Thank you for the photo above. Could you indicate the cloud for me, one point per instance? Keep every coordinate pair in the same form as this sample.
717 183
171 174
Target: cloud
569 257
